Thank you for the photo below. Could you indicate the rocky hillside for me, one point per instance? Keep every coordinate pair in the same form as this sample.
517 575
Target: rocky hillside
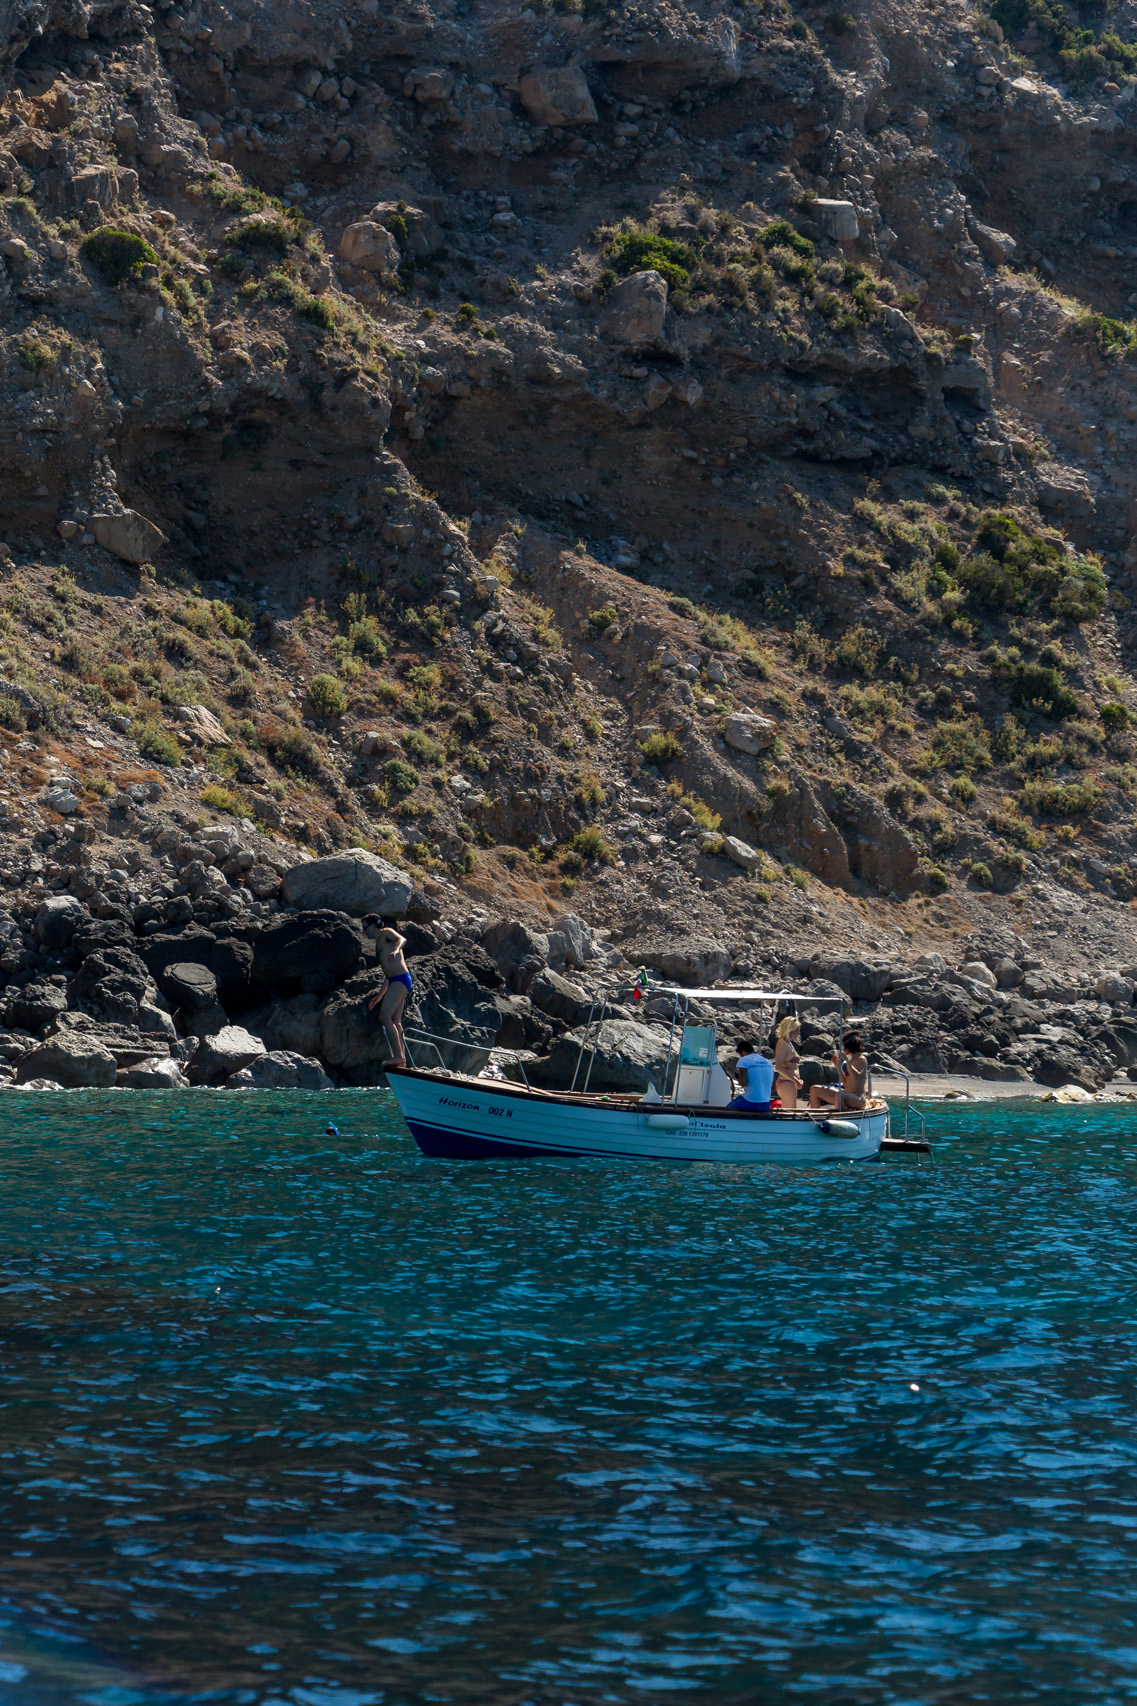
662 463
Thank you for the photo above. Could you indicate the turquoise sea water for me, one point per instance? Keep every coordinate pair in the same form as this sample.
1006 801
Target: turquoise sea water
290 1418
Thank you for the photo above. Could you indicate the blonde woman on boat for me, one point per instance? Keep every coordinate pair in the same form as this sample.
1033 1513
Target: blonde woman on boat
787 1062
854 1078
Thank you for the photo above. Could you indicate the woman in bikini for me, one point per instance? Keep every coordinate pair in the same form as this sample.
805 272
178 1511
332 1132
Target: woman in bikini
854 1079
787 1061
391 999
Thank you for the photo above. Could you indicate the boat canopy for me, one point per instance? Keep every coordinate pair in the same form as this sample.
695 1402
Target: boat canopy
742 994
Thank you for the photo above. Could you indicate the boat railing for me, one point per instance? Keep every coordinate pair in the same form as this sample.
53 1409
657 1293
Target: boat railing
891 1069
588 1043
417 1035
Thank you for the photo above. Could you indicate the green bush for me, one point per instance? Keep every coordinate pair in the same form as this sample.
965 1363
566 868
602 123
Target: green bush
400 777
422 748
1035 687
962 790
859 649
937 878
326 696
154 743
960 744
1115 716
1061 799
981 875
221 799
1109 337
1012 569
606 617
660 747
117 255
781 235
1083 54
590 844
262 234
643 251
317 309
35 353
681 606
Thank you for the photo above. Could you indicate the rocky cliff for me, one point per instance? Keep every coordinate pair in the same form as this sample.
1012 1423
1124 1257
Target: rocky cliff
661 462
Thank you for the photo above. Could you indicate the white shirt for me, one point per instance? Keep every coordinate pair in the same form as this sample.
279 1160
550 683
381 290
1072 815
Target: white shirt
759 1077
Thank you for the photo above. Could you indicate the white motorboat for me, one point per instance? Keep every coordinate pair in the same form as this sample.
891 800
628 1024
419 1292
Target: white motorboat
462 1116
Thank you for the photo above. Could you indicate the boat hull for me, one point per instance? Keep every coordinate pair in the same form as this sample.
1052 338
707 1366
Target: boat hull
475 1119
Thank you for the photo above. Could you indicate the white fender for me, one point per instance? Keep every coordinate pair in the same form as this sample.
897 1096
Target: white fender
838 1128
668 1122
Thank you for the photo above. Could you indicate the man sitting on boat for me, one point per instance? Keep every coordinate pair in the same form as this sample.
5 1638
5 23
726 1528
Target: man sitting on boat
854 1078
757 1075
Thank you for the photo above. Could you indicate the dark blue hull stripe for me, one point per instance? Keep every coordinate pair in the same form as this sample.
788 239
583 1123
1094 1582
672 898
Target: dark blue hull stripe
461 1146
447 1144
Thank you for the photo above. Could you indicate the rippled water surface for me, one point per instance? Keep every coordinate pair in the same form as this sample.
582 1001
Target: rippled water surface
286 1417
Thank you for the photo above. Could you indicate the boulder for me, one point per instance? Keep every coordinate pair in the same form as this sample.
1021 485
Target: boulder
114 981
636 310
1064 491
1119 1036
838 220
229 958
292 1026
741 853
73 1060
203 725
558 97
578 939
218 1057
57 921
61 800
1110 986
518 952
96 933
262 882
700 964
1008 973
424 234
1058 1065
308 953
126 1043
997 246
155 1022
370 246
353 881
188 986
280 1070
630 1058
157 1073
129 536
351 1037
746 731
454 999
559 998
34 1006
978 972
